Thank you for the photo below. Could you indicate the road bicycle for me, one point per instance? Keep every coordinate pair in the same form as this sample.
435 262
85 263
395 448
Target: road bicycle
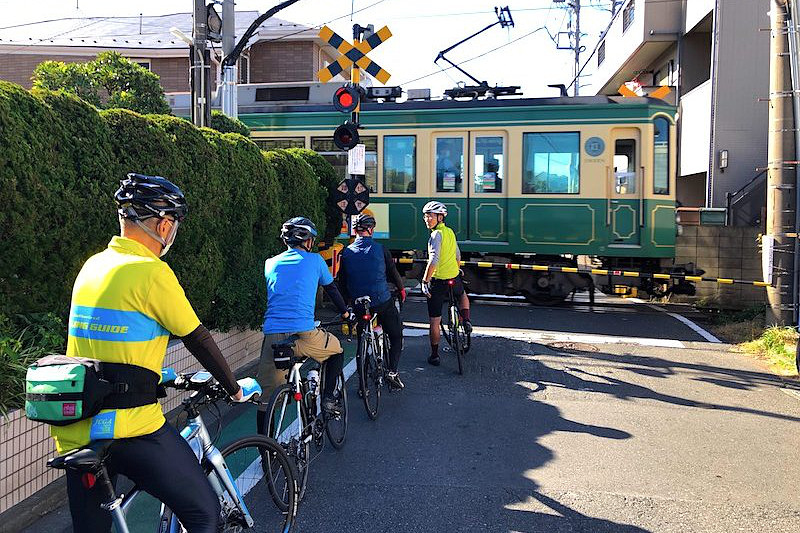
254 478
453 330
294 416
371 356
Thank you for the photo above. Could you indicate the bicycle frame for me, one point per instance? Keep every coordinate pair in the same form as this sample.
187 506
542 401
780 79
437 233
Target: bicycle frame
220 477
295 379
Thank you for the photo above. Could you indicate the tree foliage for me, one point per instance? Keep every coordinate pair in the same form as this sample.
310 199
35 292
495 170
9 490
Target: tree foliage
108 81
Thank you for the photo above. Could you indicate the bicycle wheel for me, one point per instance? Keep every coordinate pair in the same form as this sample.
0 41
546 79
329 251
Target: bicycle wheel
284 426
258 466
454 326
368 377
336 426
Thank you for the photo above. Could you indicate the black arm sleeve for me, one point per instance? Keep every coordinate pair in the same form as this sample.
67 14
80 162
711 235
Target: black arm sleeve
333 293
391 270
200 343
342 282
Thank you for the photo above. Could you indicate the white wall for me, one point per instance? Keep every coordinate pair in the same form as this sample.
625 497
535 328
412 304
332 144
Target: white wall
695 117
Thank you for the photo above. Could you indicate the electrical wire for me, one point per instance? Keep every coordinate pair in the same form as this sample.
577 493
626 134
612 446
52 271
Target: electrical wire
477 56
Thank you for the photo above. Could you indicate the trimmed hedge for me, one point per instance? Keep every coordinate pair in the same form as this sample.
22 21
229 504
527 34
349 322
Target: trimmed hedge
60 162
225 124
328 179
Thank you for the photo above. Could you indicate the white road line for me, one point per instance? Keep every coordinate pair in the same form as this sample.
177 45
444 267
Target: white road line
793 393
551 336
700 331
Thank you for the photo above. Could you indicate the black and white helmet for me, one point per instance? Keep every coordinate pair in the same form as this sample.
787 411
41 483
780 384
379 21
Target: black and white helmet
298 230
364 221
140 197
435 207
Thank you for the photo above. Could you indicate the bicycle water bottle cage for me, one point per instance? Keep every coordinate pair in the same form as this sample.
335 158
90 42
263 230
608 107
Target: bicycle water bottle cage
283 353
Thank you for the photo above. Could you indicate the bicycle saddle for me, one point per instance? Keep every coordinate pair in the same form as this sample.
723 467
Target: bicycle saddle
363 300
86 459
288 342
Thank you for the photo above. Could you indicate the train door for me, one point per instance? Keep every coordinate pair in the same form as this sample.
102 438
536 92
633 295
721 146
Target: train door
487 197
450 174
625 190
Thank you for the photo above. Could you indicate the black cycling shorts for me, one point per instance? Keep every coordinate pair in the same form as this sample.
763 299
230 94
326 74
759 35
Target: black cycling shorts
439 294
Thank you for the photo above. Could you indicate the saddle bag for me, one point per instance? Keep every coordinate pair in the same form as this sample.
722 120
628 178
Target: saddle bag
61 390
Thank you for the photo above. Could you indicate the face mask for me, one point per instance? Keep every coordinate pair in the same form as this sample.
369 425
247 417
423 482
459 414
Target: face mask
170 239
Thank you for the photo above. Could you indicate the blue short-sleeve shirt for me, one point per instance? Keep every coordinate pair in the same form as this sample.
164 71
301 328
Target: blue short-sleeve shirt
292 281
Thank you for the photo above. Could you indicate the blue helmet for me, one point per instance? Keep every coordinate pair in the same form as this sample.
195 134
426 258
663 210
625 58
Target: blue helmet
298 230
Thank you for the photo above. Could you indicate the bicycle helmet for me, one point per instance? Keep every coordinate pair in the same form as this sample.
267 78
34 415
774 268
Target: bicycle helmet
297 230
364 222
140 197
435 207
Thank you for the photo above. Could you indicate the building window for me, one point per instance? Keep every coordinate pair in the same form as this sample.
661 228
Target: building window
338 158
400 164
244 69
601 53
144 63
661 156
551 163
627 15
449 164
285 142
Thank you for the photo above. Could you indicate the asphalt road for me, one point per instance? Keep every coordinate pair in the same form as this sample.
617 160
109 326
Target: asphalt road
567 419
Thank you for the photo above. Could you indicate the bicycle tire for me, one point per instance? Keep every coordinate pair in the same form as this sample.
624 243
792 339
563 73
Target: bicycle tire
299 452
248 477
336 436
367 379
454 325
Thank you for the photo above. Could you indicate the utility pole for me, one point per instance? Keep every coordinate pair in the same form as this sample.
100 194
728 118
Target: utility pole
229 94
780 181
200 59
574 38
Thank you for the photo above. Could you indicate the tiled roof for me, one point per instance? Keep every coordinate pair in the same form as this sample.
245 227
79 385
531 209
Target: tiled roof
138 32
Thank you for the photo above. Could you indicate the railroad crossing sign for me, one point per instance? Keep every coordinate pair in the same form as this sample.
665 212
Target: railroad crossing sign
351 196
354 53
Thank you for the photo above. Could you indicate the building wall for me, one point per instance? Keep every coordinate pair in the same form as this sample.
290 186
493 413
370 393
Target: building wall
174 73
696 51
18 68
742 77
283 61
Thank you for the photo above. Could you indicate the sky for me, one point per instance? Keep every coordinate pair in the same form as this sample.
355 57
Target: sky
524 55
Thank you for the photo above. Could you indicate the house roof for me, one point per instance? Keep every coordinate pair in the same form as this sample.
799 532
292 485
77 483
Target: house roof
145 33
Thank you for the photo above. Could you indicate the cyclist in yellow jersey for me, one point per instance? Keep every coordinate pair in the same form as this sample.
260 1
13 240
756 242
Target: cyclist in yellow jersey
443 265
125 303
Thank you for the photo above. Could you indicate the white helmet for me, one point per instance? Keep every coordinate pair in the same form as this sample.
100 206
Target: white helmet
435 207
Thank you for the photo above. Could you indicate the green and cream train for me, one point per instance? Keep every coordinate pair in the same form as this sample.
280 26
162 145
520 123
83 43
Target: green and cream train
562 181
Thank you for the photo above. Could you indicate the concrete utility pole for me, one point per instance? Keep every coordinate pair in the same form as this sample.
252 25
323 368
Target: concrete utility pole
780 180
229 95
201 67
576 5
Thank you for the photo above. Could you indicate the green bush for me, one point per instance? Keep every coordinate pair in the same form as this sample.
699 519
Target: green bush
329 180
61 161
225 124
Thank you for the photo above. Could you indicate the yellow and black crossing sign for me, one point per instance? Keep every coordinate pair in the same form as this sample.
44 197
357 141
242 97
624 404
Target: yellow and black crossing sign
355 53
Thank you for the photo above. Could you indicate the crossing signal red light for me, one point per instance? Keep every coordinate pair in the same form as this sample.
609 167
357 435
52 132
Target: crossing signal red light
346 98
346 136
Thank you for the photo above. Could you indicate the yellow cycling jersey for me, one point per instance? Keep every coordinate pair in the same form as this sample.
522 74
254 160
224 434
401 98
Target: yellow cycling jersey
448 267
125 303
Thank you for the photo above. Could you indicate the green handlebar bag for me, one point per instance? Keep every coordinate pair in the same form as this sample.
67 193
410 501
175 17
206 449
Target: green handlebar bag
61 390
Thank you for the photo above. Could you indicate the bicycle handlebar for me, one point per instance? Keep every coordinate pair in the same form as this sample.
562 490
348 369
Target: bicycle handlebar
208 388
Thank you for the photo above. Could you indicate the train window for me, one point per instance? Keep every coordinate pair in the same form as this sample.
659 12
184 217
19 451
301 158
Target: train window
449 164
661 156
338 158
400 164
551 163
284 142
625 166
489 158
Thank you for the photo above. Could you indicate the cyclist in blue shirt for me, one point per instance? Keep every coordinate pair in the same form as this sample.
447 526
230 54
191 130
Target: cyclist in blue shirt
364 271
292 281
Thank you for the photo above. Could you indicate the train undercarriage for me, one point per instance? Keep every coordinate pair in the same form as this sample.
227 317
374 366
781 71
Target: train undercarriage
547 287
